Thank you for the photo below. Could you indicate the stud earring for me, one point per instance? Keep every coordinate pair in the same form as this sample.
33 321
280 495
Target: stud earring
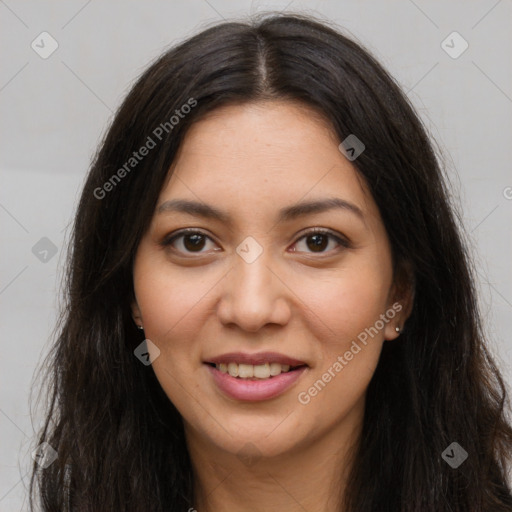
140 327
397 329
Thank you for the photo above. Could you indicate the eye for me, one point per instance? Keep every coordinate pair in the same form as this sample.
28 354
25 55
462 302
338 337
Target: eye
187 241
317 240
194 241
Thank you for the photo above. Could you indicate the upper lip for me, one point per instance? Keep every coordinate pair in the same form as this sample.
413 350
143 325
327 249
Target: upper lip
255 359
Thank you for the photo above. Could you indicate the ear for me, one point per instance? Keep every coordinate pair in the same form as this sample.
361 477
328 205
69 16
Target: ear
136 315
401 301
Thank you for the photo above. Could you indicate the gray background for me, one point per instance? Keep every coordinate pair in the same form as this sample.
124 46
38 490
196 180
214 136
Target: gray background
55 110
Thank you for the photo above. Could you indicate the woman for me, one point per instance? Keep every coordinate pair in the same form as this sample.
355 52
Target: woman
269 302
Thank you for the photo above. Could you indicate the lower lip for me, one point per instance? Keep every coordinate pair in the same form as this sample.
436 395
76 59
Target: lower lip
255 390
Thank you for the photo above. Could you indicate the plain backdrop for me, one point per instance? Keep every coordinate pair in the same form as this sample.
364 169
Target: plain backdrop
54 111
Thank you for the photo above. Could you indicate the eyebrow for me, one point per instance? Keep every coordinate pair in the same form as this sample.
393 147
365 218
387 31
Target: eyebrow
285 214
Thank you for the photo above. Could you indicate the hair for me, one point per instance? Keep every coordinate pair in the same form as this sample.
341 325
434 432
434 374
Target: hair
120 440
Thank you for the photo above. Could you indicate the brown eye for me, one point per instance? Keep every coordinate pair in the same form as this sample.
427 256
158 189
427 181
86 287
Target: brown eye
193 242
317 241
189 241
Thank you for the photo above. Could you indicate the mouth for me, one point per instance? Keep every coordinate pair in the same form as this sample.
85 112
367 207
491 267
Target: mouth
255 372
254 377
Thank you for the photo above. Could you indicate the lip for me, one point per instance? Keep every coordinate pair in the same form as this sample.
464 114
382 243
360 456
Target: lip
254 359
254 390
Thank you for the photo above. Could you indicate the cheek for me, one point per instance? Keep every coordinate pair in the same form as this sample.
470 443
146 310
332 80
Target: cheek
346 319
347 301
171 303
167 296
170 306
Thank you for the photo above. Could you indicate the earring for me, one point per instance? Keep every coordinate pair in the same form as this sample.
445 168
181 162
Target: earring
140 327
397 329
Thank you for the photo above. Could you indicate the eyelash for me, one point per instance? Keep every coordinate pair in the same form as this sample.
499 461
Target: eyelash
343 242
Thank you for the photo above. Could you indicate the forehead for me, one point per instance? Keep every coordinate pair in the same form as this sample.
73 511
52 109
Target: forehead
260 155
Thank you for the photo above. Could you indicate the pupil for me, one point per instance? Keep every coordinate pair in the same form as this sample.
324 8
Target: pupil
197 243
320 242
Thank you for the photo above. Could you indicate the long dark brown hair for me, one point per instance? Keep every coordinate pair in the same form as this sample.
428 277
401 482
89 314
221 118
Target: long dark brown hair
119 439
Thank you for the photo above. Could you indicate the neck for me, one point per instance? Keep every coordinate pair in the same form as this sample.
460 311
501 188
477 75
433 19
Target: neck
312 477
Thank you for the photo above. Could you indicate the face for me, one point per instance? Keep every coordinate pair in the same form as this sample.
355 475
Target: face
259 277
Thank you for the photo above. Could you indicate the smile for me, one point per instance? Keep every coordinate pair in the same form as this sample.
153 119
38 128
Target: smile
259 371
254 388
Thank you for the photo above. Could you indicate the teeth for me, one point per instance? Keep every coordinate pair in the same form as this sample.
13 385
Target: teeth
245 371
248 371
262 371
233 369
275 368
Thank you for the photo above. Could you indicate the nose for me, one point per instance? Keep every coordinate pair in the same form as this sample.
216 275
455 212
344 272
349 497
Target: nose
253 296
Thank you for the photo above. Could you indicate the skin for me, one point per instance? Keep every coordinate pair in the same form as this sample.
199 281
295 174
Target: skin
251 161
